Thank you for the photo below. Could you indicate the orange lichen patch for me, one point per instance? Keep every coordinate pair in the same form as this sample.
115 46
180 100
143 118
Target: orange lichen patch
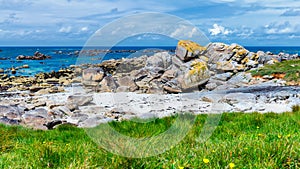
279 75
257 77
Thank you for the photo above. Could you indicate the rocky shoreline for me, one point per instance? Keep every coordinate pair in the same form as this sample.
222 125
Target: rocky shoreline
215 81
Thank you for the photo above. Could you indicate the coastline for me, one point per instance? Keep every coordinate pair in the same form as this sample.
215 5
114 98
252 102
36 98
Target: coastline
68 95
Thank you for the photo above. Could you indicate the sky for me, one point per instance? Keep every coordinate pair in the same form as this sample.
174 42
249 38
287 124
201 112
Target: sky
73 22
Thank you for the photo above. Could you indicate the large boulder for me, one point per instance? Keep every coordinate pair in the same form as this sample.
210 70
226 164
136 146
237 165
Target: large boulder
129 65
235 98
228 58
10 112
161 60
108 84
197 75
92 76
128 83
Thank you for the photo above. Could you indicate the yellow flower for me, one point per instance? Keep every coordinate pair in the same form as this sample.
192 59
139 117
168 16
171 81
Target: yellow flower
279 136
257 127
206 161
180 167
214 151
260 135
288 136
231 165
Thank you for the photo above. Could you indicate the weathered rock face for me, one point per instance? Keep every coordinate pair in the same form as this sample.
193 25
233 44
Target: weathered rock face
108 84
159 60
126 84
226 58
92 76
129 65
10 112
196 75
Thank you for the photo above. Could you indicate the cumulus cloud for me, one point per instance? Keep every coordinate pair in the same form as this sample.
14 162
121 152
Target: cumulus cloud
185 31
67 29
219 30
71 17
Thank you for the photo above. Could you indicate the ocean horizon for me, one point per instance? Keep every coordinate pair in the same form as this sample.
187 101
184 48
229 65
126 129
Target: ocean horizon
64 56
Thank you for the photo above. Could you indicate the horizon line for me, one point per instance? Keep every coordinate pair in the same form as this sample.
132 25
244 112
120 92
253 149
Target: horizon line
136 46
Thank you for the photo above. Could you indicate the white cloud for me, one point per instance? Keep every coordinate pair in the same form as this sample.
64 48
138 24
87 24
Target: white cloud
280 28
217 30
84 29
23 17
67 29
294 36
185 31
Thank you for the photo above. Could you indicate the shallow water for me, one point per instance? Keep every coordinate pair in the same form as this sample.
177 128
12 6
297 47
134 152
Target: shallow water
63 57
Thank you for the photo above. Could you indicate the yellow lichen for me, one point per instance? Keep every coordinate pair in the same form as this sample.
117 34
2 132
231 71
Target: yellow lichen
191 46
197 68
254 57
242 52
245 60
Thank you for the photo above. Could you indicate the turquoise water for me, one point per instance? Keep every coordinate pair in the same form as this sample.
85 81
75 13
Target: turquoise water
63 57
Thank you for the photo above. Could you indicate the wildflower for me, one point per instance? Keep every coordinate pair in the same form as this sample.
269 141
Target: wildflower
288 136
231 165
214 151
279 136
180 167
260 135
206 161
257 127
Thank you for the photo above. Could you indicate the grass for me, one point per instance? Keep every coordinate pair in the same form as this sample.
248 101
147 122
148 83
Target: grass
290 68
243 140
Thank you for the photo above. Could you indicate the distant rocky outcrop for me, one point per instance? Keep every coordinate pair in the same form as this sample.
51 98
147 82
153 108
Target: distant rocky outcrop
37 56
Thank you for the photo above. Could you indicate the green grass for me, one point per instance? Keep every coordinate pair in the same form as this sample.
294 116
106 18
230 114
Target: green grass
247 140
291 68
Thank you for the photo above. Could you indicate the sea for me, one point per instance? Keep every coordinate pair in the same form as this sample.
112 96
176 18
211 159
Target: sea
63 57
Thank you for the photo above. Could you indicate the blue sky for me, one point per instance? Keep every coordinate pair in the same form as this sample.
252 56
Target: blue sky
72 22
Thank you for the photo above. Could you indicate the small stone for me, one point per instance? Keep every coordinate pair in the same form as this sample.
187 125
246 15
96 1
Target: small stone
30 106
34 89
235 98
172 90
64 110
40 104
211 86
80 100
13 71
223 76
52 81
25 66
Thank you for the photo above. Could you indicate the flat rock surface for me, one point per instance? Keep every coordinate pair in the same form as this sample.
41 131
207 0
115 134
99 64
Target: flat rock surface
91 109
